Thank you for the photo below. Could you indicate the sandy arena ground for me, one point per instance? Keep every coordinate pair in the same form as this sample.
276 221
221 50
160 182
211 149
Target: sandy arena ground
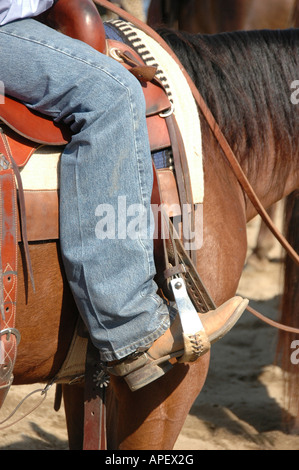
241 404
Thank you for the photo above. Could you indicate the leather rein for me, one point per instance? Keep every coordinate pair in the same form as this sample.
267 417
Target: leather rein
222 141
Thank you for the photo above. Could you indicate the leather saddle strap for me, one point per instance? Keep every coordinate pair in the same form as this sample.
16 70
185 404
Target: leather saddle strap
176 260
240 175
21 200
183 180
178 257
8 239
94 404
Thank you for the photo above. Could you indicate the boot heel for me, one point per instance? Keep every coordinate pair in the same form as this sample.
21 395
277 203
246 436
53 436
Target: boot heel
145 375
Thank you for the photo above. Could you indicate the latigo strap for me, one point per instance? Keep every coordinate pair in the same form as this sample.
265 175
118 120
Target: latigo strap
9 336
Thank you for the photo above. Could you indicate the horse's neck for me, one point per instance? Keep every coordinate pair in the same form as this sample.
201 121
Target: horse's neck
272 172
273 176
247 81
271 166
270 154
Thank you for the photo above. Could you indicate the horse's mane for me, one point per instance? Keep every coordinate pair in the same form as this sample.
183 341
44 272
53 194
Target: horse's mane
245 78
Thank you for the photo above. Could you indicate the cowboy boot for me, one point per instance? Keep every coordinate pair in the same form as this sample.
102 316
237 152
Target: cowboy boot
141 369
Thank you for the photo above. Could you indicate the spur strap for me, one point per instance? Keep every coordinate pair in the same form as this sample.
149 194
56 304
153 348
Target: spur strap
94 402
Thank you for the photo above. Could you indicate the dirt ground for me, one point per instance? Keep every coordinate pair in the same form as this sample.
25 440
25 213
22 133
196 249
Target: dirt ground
240 407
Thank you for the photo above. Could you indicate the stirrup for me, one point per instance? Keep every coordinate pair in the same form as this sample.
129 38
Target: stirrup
196 341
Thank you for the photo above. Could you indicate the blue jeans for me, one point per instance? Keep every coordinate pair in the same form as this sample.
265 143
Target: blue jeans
105 170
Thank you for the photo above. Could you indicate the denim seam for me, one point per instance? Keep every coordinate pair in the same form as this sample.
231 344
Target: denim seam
140 182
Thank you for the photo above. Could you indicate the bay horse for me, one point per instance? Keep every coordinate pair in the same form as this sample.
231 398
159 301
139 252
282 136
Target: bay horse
251 100
214 16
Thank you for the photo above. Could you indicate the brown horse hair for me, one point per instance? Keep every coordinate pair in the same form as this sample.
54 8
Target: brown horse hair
231 71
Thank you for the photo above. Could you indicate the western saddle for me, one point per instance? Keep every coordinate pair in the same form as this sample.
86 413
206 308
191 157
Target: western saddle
23 132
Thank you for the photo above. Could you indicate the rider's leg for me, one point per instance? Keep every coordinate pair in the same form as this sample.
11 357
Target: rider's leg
105 170
106 173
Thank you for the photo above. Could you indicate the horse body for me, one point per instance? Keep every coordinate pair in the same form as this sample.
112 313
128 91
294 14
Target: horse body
46 318
152 418
214 16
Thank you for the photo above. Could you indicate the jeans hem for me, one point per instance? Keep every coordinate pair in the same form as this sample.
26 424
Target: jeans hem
121 353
